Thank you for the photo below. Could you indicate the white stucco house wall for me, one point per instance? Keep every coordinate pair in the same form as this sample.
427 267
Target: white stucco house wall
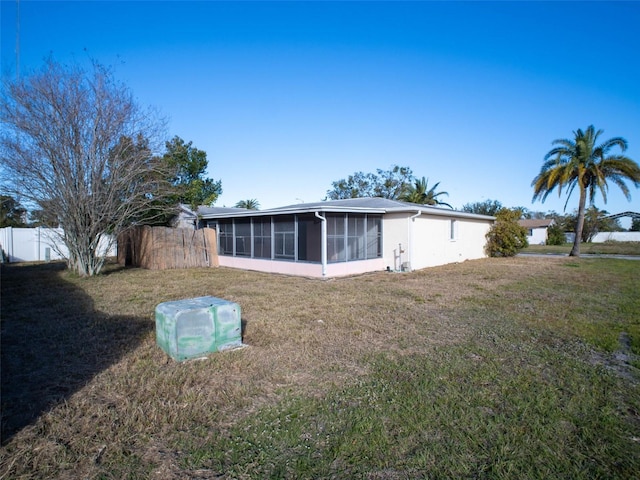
345 237
537 230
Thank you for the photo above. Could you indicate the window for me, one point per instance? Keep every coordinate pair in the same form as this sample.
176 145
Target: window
309 238
225 237
285 237
243 237
262 238
453 229
374 236
355 237
336 238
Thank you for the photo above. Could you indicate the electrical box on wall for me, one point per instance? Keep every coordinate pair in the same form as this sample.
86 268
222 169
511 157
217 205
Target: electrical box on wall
196 327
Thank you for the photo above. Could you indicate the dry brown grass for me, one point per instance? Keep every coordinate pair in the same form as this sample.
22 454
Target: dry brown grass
87 392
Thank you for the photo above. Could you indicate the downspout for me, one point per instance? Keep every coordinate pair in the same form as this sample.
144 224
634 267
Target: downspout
412 218
323 243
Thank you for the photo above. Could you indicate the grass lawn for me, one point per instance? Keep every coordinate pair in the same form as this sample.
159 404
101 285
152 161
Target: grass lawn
606 248
521 368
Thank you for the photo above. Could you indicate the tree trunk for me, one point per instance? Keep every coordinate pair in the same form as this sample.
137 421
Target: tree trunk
575 250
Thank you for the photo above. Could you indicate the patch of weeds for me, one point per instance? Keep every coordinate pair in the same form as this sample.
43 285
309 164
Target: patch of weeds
409 295
596 302
525 411
124 465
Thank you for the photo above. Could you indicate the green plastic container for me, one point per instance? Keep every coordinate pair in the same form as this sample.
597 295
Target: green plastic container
196 327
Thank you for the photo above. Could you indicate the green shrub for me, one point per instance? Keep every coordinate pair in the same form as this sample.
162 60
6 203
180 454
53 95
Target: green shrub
555 235
506 236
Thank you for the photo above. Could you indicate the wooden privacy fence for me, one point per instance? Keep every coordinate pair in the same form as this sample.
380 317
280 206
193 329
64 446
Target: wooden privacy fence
162 248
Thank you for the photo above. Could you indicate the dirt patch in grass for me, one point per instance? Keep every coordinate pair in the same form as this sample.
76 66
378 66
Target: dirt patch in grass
87 393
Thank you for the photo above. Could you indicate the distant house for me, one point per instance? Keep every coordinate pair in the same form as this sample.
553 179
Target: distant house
187 218
537 230
345 237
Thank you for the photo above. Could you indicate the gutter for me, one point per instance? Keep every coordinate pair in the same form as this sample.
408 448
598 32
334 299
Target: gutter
290 211
410 226
323 243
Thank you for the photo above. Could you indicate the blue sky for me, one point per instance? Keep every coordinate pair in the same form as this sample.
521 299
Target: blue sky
287 97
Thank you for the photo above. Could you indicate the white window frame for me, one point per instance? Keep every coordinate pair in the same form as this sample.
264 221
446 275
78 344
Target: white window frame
453 230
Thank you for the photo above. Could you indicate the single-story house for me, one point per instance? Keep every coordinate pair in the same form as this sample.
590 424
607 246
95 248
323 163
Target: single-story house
187 218
537 229
345 237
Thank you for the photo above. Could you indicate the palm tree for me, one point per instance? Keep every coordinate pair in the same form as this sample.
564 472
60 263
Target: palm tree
251 204
583 163
418 193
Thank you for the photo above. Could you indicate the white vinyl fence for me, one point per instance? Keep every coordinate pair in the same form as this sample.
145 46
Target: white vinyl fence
602 237
35 245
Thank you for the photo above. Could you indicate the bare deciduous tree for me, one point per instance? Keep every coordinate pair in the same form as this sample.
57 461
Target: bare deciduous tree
75 142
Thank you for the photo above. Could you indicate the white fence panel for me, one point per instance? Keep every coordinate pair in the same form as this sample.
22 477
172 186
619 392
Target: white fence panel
602 237
37 244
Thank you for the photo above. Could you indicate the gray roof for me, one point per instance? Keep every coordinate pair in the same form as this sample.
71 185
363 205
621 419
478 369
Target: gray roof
206 211
350 205
202 210
536 222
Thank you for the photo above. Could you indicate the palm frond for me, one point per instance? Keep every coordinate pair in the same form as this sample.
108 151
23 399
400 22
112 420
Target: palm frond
606 146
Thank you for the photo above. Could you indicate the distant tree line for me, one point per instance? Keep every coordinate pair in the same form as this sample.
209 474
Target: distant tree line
397 183
595 219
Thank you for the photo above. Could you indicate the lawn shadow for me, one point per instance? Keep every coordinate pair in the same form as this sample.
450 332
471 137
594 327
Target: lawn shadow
53 341
243 328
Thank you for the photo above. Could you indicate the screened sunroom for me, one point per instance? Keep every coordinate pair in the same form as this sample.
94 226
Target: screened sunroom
301 237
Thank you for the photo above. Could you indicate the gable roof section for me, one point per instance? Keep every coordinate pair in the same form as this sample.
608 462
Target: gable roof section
186 212
351 205
536 222
204 212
